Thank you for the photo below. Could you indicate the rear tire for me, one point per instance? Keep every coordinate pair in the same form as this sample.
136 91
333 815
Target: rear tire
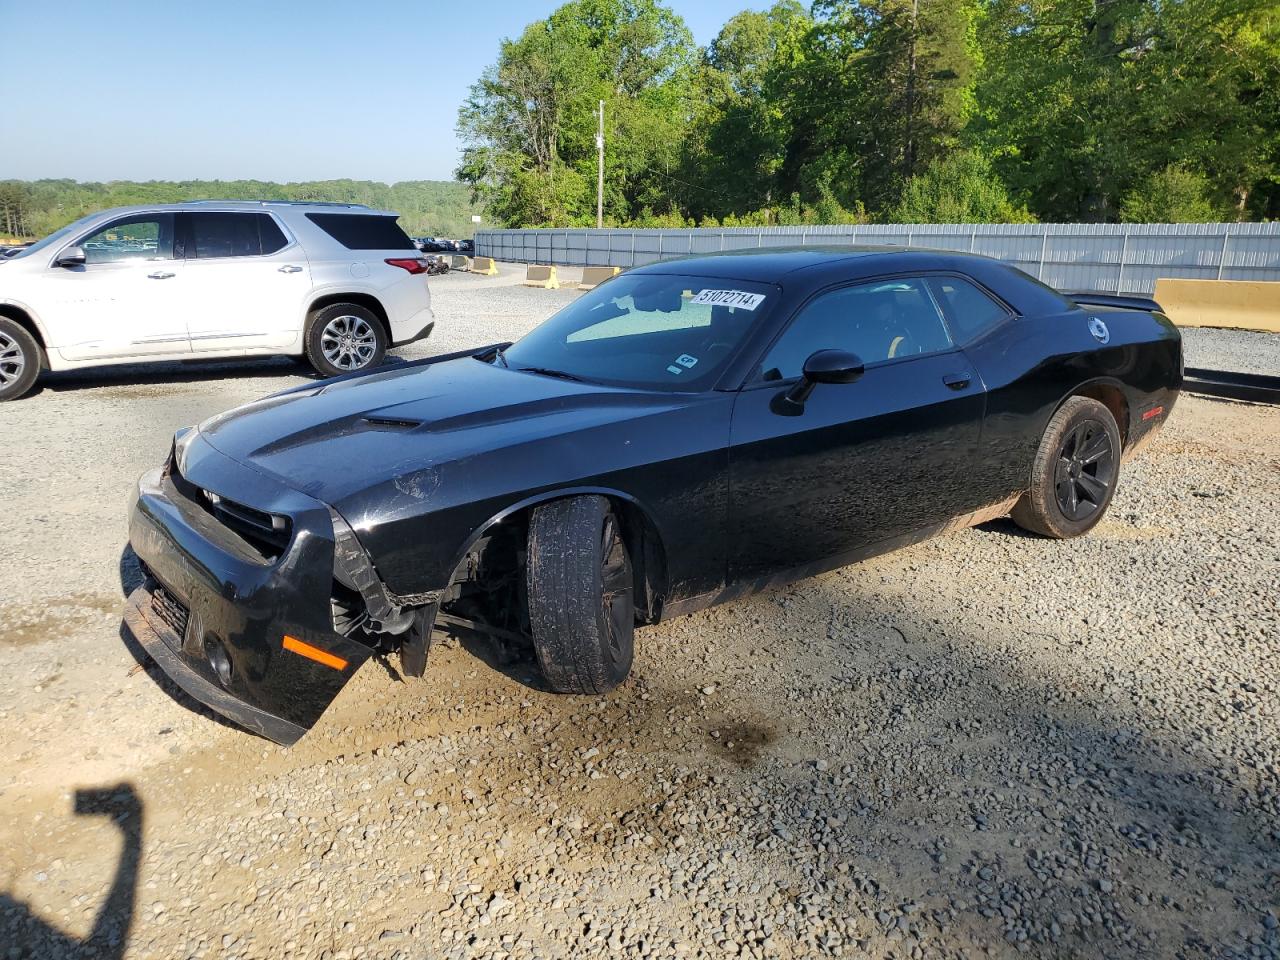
345 338
20 360
581 607
1075 472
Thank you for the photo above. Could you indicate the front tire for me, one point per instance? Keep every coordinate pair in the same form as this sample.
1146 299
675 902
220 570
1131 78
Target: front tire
345 338
581 607
1075 472
20 360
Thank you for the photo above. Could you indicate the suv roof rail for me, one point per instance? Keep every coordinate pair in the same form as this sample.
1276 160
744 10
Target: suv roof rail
287 203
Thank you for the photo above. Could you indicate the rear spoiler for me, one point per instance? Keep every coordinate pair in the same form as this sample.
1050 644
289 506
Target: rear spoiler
1087 299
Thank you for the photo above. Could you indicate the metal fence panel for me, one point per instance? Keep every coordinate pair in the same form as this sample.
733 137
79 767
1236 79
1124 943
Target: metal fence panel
1123 258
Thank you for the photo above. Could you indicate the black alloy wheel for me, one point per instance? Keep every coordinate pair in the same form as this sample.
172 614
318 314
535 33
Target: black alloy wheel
1085 470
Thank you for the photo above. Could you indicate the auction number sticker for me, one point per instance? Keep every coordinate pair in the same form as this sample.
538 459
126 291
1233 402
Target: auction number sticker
741 299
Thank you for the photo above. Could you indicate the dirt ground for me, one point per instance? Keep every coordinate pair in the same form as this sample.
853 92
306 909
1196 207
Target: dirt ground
988 744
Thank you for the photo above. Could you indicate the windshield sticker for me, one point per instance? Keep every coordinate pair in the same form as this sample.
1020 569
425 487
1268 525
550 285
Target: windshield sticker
730 298
687 361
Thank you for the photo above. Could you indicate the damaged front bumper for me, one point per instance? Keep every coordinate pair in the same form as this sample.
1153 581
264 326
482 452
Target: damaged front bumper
237 604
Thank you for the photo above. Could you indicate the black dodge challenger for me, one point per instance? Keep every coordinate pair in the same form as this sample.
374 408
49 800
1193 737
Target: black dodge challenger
683 434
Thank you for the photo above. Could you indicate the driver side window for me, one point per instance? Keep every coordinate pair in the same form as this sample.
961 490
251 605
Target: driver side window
146 237
877 321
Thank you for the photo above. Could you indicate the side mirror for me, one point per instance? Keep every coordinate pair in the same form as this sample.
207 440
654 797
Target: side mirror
825 366
71 257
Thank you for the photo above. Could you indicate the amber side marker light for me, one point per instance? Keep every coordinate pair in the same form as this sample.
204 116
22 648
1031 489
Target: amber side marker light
294 645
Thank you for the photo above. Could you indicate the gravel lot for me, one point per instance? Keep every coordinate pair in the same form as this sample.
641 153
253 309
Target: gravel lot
985 744
1241 351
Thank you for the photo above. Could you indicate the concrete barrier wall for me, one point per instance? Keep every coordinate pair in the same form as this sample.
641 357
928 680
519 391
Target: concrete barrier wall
1112 258
1239 304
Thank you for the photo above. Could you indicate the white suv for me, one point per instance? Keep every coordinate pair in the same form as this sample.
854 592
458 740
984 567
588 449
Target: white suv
336 283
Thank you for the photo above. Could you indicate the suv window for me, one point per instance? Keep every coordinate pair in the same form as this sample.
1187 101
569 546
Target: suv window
877 321
363 231
233 235
144 237
970 311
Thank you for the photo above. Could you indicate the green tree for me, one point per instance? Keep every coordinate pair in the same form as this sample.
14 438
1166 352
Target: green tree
1082 100
741 134
15 210
961 188
529 123
1171 195
888 86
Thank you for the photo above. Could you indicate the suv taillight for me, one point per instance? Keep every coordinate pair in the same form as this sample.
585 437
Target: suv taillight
415 265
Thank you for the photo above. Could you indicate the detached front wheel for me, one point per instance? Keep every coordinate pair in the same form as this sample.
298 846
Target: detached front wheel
1075 472
581 607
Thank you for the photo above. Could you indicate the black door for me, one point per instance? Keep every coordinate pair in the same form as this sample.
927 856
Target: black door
861 463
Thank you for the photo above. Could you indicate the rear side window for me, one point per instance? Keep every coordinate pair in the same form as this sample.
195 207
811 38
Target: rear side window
363 231
970 311
233 235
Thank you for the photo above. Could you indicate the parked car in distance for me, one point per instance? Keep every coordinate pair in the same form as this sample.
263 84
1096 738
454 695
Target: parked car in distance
337 284
467 246
688 432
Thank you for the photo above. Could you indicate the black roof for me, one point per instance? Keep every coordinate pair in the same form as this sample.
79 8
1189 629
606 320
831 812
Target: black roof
771 264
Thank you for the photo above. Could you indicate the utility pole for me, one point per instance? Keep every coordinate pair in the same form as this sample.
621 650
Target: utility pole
600 170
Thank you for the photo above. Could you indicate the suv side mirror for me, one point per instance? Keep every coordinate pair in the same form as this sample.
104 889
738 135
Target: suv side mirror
71 257
825 366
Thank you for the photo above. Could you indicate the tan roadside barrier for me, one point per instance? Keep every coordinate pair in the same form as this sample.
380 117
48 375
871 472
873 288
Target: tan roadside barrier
592 277
460 263
542 276
1235 304
485 266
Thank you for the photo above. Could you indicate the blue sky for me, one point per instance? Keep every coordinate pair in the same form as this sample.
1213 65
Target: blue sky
271 90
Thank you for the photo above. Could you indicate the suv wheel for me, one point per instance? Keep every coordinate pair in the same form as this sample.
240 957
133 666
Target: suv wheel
345 338
20 360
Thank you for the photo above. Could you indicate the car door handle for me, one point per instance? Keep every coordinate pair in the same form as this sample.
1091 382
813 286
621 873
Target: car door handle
290 268
957 381
159 275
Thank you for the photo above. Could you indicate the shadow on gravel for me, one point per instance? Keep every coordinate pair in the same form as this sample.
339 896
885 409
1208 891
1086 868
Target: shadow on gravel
28 935
991 797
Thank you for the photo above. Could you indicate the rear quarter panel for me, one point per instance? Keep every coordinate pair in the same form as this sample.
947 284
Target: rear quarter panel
1034 363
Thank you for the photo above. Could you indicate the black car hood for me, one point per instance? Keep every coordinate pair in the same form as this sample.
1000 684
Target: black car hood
345 437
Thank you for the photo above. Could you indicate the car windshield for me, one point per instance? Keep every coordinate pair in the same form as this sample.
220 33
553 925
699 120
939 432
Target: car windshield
654 331
56 237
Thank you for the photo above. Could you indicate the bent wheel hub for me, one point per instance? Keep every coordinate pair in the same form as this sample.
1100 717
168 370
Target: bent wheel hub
348 342
1086 470
12 360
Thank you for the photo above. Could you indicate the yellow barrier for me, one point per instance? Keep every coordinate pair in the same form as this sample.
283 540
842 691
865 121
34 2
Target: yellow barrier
542 276
1236 304
592 277
484 266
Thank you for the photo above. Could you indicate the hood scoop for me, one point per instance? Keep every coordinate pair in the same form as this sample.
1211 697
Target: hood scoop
392 423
